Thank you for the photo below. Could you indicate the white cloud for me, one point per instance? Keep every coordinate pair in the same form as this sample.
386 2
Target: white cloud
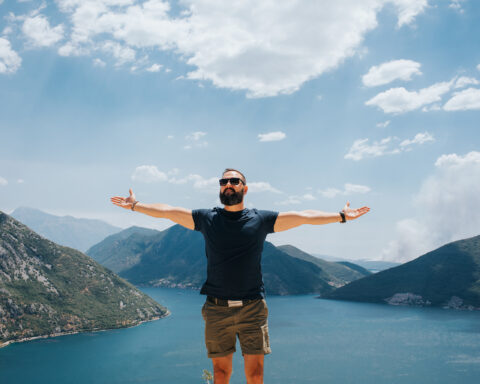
3 181
419 138
384 124
464 100
195 136
201 183
453 160
445 204
7 30
9 59
457 5
194 139
154 68
399 100
392 70
20 181
348 189
478 67
123 54
99 63
330 193
151 174
264 48
361 149
292 200
464 81
309 197
432 107
408 9
356 188
148 174
39 32
272 136
261 186
387 146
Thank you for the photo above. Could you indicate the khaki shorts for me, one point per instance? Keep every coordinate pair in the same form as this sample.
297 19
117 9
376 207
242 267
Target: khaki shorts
224 324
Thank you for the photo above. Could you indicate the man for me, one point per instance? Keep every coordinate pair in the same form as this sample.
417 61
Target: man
234 238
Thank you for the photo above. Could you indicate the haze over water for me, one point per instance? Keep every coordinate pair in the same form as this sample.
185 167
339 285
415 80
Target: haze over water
313 341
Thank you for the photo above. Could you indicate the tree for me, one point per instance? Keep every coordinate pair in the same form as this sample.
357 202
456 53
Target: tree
207 376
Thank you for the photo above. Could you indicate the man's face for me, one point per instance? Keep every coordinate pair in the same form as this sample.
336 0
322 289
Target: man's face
232 194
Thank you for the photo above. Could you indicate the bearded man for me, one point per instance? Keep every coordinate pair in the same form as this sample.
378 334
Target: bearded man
235 305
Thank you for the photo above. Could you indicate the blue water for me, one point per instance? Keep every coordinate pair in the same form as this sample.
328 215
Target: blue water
313 341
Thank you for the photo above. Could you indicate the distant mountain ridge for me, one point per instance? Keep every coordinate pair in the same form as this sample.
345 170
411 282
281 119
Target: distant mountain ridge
448 277
342 272
69 231
176 258
371 265
48 289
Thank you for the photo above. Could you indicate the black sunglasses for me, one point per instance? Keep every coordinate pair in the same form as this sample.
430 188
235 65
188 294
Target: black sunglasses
232 180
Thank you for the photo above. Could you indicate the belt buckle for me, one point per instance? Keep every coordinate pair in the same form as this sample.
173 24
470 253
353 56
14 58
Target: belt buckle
235 303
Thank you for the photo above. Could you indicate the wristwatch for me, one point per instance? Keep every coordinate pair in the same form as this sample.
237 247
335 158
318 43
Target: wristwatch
133 205
342 214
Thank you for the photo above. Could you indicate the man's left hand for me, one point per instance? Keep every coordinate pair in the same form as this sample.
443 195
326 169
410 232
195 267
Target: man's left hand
352 214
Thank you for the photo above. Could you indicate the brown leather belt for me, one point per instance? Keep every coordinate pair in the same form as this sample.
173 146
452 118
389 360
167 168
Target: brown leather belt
229 303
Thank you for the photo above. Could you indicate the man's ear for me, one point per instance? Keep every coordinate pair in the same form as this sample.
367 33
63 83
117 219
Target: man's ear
245 189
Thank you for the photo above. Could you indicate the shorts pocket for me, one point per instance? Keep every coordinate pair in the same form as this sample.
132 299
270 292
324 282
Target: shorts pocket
266 338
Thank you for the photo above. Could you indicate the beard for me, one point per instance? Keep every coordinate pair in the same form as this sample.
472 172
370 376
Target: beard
232 198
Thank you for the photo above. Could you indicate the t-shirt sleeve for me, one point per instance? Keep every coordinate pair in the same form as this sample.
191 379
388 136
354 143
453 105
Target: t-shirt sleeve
199 218
269 218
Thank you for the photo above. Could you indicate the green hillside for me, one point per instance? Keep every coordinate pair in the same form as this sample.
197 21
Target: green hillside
340 273
123 250
176 258
448 276
50 289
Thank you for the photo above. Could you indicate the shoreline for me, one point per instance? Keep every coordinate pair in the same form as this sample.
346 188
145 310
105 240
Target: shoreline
52 335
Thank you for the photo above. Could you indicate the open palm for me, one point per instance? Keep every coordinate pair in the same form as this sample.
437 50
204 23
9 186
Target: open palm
124 202
352 214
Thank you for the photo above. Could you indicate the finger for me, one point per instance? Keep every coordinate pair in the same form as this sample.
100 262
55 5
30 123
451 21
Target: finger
131 193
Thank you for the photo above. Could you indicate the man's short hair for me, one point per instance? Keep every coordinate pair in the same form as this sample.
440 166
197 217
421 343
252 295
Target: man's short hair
235 170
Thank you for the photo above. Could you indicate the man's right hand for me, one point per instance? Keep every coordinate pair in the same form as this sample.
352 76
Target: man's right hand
124 202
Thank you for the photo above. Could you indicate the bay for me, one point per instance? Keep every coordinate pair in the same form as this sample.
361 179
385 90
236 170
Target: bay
313 341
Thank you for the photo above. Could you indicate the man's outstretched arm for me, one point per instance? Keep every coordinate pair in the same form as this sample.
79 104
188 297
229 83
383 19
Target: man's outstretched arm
288 220
178 215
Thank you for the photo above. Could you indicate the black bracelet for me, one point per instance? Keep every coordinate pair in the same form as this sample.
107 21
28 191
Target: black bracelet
133 205
342 214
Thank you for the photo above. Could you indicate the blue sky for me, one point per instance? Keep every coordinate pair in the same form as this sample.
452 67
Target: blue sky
375 102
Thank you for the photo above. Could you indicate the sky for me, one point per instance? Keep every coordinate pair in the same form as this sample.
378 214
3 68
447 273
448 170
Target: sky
375 102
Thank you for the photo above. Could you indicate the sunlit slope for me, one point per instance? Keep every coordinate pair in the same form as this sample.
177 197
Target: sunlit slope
176 258
46 289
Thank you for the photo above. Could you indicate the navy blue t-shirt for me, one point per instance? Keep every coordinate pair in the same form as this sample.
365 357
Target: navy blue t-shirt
234 244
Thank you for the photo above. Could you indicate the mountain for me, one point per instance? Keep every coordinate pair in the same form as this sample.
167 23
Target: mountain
341 272
123 249
65 230
375 265
371 265
176 258
48 289
448 276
